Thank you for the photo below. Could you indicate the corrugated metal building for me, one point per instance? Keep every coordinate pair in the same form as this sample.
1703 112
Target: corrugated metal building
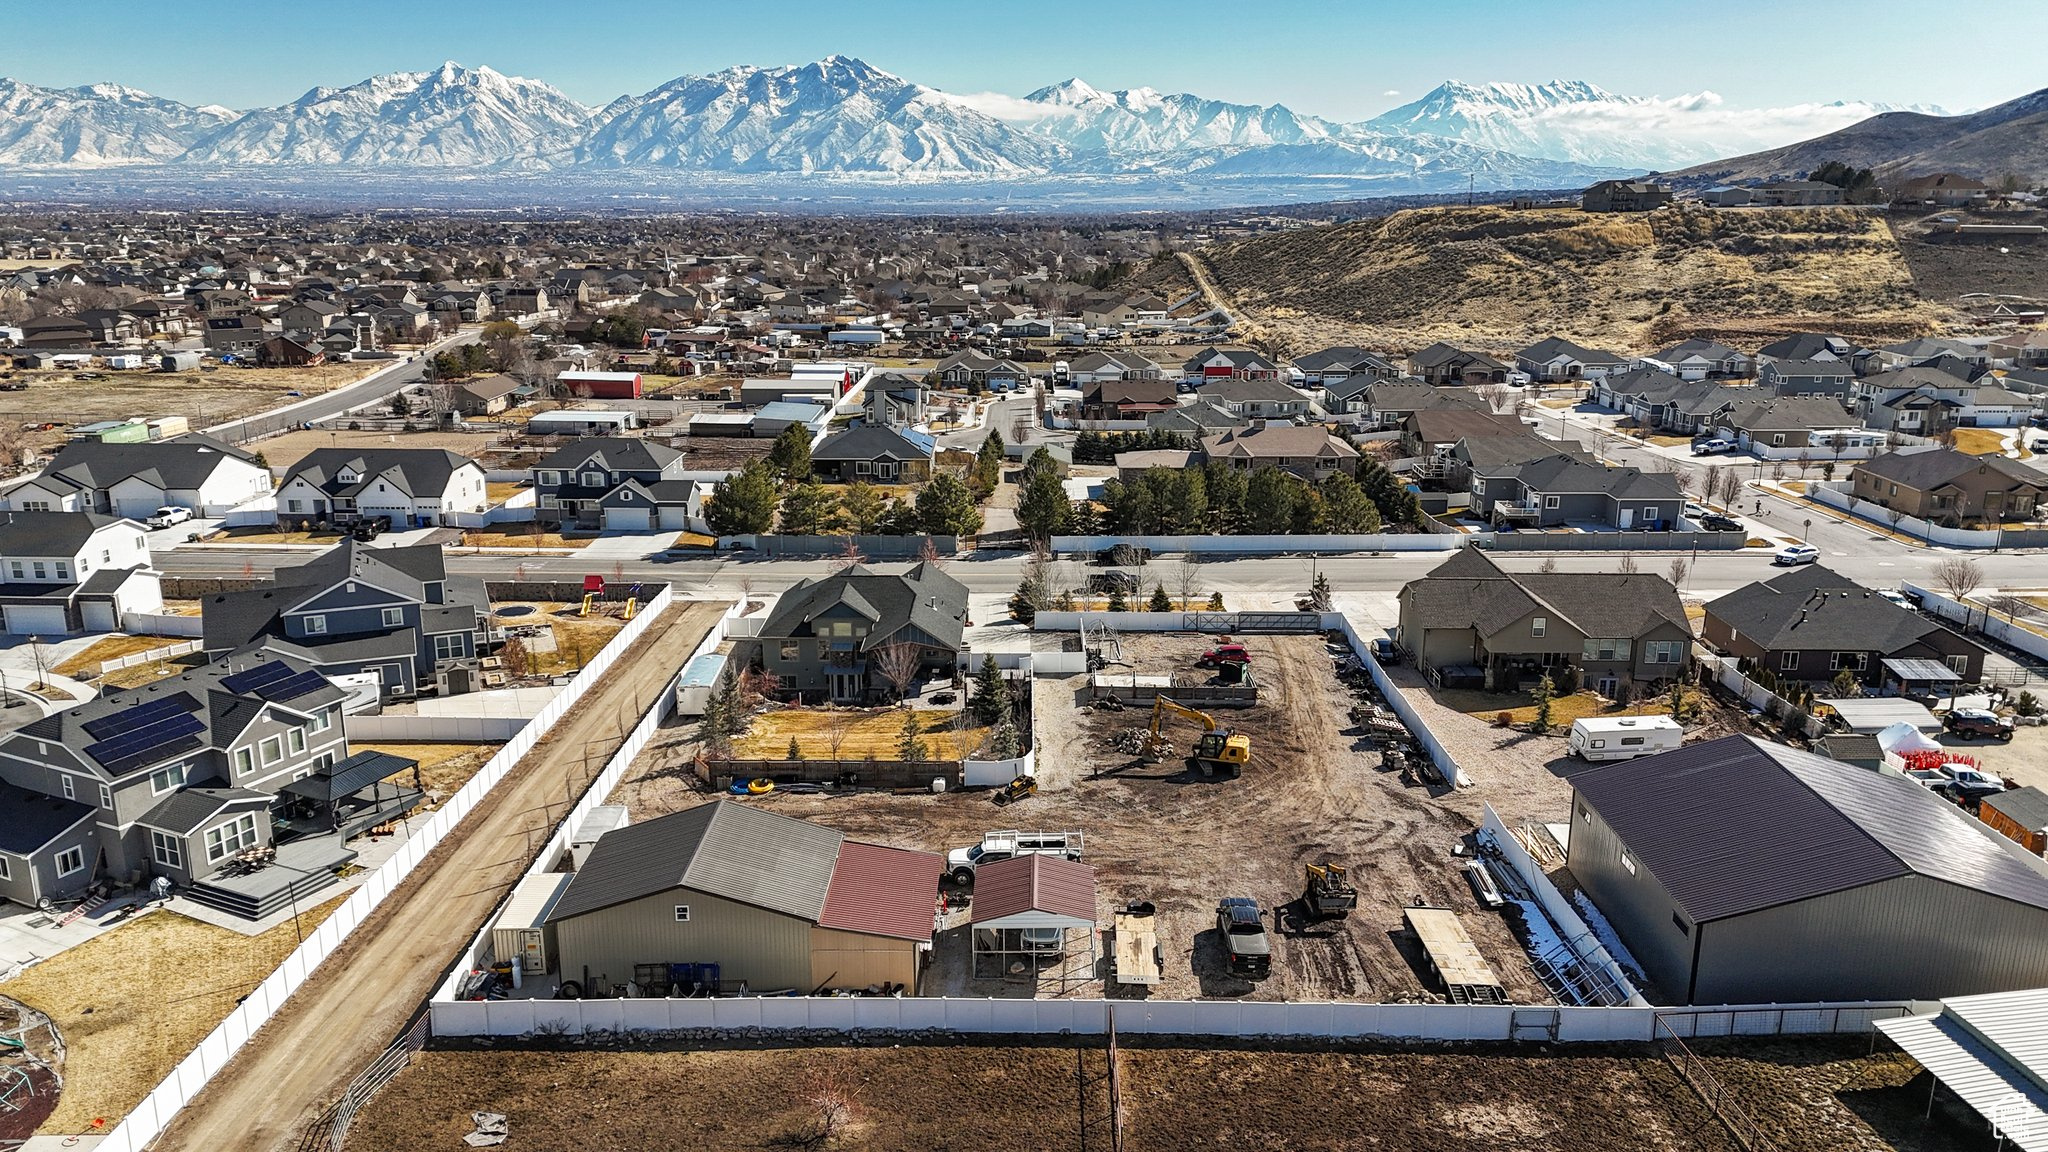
775 902
1993 1052
1742 872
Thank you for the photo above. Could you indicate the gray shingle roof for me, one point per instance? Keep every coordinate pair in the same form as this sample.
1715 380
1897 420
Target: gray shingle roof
1930 469
613 453
723 849
186 809
923 597
1813 609
412 471
1470 590
29 820
1735 825
49 533
869 442
180 462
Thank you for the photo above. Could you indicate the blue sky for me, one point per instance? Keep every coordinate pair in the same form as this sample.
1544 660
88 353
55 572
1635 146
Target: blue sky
1339 60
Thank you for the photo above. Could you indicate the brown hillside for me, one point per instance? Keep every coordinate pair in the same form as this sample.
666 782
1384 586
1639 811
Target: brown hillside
1496 277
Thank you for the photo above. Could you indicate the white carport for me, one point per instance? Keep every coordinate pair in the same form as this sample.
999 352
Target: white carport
1992 1051
1869 715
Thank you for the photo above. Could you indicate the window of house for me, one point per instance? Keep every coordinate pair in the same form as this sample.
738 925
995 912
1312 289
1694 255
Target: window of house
682 913
273 750
863 468
70 861
295 505
550 502
593 479
106 796
245 761
166 850
792 650
1538 625
448 646
316 625
1854 661
37 506
18 573
1605 648
1550 501
1628 864
230 838
6 869
1777 439
323 720
70 789
1957 664
1663 651
42 572
394 617
296 740
166 778
1684 929
1788 660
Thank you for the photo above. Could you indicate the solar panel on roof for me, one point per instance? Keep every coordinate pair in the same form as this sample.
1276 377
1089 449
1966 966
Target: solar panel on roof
302 684
257 677
147 743
129 719
155 754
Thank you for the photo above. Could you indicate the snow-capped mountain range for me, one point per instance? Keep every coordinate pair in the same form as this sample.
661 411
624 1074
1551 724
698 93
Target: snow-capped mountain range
843 116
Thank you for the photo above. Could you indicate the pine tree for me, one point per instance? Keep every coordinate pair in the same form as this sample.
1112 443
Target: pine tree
862 505
791 455
946 508
809 509
1160 601
910 745
796 751
1541 694
1116 601
991 694
1043 510
1005 741
743 503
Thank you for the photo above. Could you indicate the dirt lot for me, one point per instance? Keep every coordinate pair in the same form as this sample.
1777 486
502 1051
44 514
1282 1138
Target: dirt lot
292 447
1817 1096
575 638
1314 792
204 398
41 1061
131 1003
711 453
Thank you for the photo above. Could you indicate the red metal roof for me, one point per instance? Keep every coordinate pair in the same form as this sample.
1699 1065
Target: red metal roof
1052 884
883 891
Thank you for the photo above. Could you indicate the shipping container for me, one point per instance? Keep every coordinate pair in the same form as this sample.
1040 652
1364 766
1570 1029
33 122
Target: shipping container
522 930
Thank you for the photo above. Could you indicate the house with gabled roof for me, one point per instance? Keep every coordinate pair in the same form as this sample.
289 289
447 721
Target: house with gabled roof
770 900
63 572
1817 422
572 482
1442 363
826 639
1470 619
173 779
1942 485
395 612
1308 452
1563 488
415 487
1810 624
1555 359
1341 363
1228 363
1699 359
874 453
193 471
1788 377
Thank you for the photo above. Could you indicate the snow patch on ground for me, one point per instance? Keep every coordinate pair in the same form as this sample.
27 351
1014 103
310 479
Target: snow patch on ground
1604 932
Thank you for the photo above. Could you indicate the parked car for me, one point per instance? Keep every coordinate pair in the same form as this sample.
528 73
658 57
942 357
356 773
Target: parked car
167 516
371 527
1712 447
961 862
1113 581
1967 785
1694 510
1383 650
1793 554
1247 949
1715 522
1978 722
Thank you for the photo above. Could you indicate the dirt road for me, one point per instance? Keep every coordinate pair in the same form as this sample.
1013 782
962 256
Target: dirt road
358 1000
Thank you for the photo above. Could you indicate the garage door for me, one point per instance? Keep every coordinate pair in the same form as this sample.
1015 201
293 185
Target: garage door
627 519
32 620
136 508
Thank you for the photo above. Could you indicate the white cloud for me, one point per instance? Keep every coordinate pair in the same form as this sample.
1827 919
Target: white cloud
1391 92
1001 105
1701 126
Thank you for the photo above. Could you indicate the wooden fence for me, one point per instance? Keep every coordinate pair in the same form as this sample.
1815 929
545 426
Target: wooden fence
919 774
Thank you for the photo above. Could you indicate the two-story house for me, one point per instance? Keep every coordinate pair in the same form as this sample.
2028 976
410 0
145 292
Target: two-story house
1469 621
64 572
1566 489
1811 624
416 487
572 482
1625 196
1943 485
843 637
396 612
1830 378
174 779
1126 399
134 480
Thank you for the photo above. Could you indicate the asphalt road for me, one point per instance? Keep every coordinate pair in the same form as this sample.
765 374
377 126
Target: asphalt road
378 385
1881 565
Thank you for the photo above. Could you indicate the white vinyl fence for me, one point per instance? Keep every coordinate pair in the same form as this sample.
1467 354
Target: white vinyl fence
1262 545
1980 617
1440 1022
1728 672
1391 693
159 624
150 1117
434 729
167 652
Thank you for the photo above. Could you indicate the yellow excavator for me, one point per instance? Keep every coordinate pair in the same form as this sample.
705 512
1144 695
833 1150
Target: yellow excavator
1217 752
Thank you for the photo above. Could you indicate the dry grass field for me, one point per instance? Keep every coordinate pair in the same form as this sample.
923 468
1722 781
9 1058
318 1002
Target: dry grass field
444 768
86 665
204 398
292 447
131 1003
860 733
1499 278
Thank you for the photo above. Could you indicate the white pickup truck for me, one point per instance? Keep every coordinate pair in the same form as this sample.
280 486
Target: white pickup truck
994 846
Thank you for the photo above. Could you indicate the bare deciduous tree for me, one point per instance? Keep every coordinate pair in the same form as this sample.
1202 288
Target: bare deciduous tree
1677 570
1187 579
849 556
1627 565
1959 577
898 663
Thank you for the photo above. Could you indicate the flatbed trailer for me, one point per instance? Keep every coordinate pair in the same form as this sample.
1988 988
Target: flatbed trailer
1135 956
1466 976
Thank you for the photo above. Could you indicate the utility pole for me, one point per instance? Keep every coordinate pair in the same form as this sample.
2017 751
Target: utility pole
1471 185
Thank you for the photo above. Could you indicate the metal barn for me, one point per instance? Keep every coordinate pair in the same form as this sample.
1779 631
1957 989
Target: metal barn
1740 872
